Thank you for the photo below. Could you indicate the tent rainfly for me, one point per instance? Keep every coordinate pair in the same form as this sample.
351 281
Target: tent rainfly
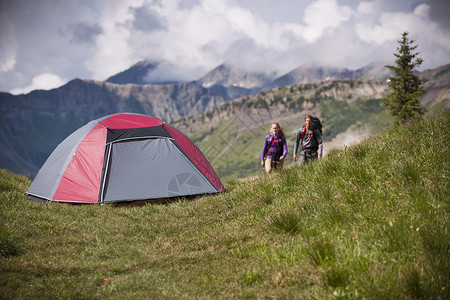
124 157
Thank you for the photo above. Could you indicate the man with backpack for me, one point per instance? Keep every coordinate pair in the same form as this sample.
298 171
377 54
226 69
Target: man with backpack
274 150
310 136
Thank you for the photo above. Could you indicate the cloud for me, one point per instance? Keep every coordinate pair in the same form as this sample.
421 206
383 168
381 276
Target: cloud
146 19
45 81
322 15
84 32
95 39
243 21
366 7
213 32
8 63
389 26
113 52
439 11
42 36
8 57
422 10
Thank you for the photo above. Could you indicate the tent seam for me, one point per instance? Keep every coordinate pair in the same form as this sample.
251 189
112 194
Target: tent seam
139 138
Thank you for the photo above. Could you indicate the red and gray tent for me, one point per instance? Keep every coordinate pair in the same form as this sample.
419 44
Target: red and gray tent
124 157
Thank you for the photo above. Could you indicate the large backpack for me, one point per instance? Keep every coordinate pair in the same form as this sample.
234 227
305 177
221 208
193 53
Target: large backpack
317 124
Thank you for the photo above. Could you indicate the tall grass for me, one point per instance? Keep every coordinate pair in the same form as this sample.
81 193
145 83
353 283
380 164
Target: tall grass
367 222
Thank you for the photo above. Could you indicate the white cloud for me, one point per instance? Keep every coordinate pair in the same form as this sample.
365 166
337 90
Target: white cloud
324 14
113 52
243 21
214 6
366 7
422 10
390 26
8 63
45 81
8 46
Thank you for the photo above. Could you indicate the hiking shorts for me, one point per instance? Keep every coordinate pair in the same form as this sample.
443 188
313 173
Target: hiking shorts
307 156
269 164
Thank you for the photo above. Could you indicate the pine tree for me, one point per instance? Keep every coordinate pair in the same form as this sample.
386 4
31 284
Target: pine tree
406 87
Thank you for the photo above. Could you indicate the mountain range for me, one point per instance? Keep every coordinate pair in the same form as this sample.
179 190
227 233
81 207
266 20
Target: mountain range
232 82
32 125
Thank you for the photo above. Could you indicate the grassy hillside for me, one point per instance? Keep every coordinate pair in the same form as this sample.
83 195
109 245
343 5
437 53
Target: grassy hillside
367 222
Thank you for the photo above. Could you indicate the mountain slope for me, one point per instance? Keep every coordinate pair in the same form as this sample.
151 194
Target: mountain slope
229 76
32 125
232 82
437 95
136 74
313 74
438 77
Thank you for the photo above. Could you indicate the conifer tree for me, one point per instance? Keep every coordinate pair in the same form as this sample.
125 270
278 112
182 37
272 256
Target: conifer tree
406 87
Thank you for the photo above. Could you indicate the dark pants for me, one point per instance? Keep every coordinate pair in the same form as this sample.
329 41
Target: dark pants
307 156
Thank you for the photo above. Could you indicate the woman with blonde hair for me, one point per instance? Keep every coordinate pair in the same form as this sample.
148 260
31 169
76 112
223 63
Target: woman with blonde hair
275 149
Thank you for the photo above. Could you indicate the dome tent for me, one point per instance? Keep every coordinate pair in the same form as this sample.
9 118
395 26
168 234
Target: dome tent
124 157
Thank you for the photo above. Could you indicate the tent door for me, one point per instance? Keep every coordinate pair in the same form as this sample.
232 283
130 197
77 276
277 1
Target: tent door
149 169
104 173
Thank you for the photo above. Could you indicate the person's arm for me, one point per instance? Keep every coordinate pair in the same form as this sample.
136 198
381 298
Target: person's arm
285 149
264 150
297 141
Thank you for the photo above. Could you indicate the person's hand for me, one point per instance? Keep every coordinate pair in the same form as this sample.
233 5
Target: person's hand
281 157
320 156
295 157
262 163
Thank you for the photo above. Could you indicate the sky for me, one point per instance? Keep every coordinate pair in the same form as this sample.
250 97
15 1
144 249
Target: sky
46 43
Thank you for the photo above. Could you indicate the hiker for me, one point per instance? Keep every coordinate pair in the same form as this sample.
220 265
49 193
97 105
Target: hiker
275 149
311 142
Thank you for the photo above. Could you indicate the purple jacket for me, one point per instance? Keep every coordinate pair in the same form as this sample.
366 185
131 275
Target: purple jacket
276 149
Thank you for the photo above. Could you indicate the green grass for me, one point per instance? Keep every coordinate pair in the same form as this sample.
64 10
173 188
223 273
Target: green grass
367 222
